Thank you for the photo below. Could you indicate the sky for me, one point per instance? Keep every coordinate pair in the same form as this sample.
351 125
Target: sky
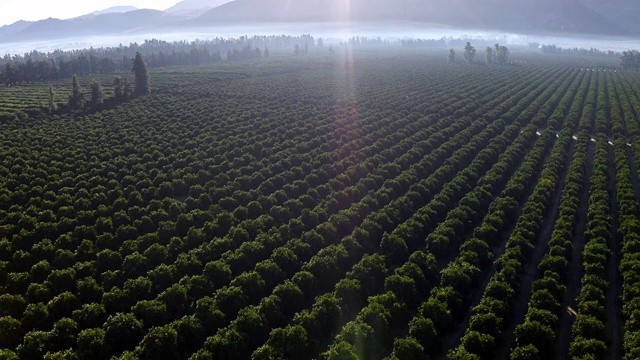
32 10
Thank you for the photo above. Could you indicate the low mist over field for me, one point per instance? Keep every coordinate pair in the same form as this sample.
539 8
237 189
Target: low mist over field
335 33
569 23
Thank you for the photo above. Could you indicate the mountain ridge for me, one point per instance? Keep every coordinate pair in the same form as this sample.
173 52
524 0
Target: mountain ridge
566 16
115 9
557 17
103 24
196 4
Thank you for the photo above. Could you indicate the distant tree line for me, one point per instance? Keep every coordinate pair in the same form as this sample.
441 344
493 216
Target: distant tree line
423 43
20 69
40 66
630 60
246 53
498 54
195 56
365 41
443 42
154 46
553 49
122 89
457 42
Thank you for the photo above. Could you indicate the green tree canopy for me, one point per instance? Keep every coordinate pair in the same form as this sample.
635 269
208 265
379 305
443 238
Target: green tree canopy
97 94
142 76
76 100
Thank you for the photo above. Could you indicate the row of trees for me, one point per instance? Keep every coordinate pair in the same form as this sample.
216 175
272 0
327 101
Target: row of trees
247 53
115 271
222 344
488 318
538 330
423 43
237 221
546 303
409 236
224 341
194 57
625 130
496 222
497 55
373 326
553 49
44 68
334 261
460 289
87 57
352 293
442 43
630 60
589 335
122 89
32 69
437 313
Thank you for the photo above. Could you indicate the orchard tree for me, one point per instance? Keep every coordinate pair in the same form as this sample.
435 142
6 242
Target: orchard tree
120 88
488 55
126 89
142 76
52 99
97 94
408 348
76 99
469 52
501 54
10 332
452 56
160 342
122 332
91 344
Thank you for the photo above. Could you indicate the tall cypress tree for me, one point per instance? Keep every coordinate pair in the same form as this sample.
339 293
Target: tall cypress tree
52 99
142 76
118 88
97 94
76 100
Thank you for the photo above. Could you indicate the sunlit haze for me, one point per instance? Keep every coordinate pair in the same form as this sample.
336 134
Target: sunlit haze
14 10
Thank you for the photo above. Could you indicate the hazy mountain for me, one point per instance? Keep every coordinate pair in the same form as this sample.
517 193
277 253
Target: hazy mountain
558 17
195 7
112 21
623 12
115 9
547 16
7 31
111 10
104 24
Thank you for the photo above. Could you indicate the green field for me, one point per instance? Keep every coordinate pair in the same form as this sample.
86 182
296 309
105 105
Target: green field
361 204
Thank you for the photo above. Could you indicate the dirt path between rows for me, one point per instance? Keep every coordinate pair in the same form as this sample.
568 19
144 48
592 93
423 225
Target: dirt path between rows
530 274
452 340
613 305
634 173
575 269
